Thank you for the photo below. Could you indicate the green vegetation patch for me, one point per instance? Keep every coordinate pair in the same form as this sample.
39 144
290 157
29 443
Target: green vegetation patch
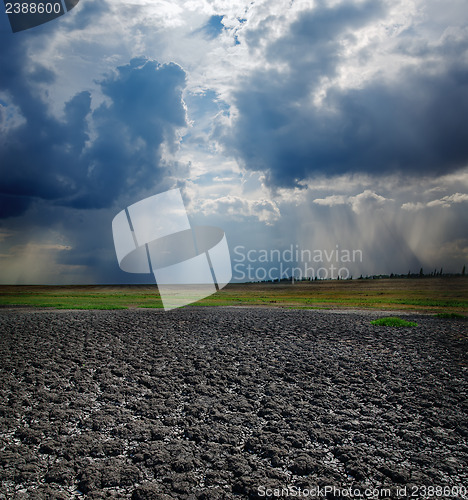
393 321
450 316
79 297
431 295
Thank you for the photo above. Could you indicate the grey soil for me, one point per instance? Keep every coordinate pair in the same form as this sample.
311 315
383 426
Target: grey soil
220 403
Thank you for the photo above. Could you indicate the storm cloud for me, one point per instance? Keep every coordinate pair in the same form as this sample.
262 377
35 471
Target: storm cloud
86 158
325 123
415 122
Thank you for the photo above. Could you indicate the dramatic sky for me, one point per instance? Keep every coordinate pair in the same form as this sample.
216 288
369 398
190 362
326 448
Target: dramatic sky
320 125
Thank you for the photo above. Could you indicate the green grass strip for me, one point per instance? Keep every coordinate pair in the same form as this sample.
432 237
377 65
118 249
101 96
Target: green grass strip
450 316
393 321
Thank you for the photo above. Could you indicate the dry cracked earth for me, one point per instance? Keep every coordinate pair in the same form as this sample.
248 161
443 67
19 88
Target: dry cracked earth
228 403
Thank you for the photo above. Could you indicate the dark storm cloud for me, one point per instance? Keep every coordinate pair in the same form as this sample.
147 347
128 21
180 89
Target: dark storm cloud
32 154
54 159
146 109
315 37
416 123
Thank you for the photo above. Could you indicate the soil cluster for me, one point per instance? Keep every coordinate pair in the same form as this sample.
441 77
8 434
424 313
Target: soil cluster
229 403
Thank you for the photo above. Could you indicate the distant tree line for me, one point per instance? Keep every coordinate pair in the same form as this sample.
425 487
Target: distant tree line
408 275
421 274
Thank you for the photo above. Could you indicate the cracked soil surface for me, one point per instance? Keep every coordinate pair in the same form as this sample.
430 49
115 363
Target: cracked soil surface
227 403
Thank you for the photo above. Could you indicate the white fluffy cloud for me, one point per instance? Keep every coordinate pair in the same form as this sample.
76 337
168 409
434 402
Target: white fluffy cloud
445 201
237 208
361 202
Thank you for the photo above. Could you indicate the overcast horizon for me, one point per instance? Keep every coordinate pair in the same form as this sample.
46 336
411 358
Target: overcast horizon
311 125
